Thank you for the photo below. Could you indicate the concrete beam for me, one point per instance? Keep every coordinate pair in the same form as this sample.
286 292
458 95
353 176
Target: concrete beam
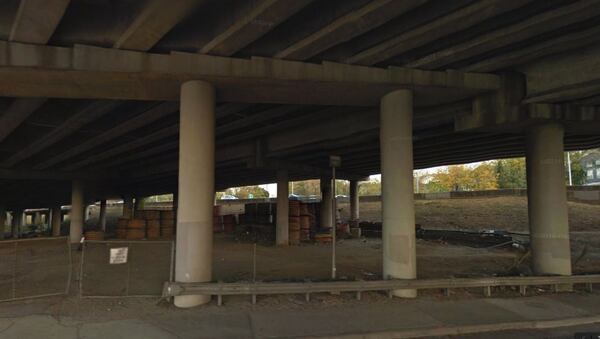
531 53
115 151
93 72
155 113
138 155
261 117
36 20
19 174
549 81
249 23
81 118
308 170
456 21
156 19
357 22
542 23
17 112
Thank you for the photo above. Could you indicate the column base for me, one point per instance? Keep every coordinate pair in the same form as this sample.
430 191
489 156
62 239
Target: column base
187 301
404 293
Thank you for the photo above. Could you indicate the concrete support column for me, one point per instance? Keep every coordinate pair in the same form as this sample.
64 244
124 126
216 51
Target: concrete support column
326 207
77 212
56 220
196 188
2 221
102 215
354 203
17 222
547 205
37 218
399 242
282 231
128 207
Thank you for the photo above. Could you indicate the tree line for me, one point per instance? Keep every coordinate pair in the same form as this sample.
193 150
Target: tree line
489 175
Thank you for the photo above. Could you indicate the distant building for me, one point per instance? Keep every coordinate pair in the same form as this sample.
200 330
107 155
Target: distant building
591 166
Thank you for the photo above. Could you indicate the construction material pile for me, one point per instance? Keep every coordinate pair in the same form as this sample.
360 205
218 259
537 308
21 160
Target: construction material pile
147 224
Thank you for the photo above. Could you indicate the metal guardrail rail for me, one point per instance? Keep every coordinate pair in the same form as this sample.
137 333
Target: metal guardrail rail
261 288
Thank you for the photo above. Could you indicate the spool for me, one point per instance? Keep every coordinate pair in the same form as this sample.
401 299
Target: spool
294 224
122 223
152 214
94 235
294 209
170 223
136 224
121 233
135 234
294 237
303 209
166 233
153 229
305 222
228 223
167 215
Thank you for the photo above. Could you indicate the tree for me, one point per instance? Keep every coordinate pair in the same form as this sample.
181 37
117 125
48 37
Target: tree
249 192
577 172
464 178
483 177
371 187
511 173
306 187
342 187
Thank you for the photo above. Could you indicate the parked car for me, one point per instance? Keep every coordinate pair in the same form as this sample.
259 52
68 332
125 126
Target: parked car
229 197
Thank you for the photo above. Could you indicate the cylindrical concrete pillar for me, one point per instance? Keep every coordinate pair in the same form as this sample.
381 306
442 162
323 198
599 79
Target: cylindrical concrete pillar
196 188
354 203
282 232
37 218
56 220
128 207
547 204
102 215
399 242
77 212
2 221
17 222
326 207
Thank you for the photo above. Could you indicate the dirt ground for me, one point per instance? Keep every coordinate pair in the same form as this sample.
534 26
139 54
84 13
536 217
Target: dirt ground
503 213
361 258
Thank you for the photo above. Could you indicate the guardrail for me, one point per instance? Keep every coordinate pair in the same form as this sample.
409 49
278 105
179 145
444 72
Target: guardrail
261 288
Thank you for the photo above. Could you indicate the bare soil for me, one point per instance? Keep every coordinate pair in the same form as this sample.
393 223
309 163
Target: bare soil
502 213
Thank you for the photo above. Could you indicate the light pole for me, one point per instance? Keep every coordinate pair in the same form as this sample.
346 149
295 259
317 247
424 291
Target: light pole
334 161
569 169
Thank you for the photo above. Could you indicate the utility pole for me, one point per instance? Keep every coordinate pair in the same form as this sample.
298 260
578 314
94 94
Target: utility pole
569 169
334 161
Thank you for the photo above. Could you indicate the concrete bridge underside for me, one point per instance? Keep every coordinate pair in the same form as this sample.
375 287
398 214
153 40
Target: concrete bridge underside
90 94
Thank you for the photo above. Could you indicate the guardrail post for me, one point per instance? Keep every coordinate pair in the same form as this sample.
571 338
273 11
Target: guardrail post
307 297
487 291
446 292
254 299
219 300
590 287
523 290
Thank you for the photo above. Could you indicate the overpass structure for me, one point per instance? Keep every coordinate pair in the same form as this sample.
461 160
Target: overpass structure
139 97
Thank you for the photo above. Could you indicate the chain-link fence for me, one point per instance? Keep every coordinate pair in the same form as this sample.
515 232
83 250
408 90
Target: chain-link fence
125 268
37 267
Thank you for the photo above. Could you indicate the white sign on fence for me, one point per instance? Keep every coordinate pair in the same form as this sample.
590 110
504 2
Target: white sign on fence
118 255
